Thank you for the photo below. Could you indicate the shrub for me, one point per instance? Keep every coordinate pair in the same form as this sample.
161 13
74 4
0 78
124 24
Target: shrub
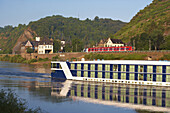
11 103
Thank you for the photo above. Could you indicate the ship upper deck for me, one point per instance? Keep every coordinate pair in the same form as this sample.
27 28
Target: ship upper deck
124 62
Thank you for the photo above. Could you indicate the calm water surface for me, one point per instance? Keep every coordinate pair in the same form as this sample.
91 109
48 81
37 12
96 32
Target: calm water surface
55 96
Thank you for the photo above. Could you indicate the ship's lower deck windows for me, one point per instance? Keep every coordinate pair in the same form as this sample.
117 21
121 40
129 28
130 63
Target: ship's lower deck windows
140 76
149 77
78 73
131 76
85 73
99 74
92 74
107 75
123 76
159 78
115 75
167 78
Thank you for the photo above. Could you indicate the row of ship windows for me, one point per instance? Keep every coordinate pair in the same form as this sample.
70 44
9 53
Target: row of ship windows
122 98
125 91
159 78
123 68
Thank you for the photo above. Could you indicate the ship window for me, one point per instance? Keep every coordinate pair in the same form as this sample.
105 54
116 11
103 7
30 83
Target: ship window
159 93
99 67
92 67
167 78
132 68
149 101
140 68
85 74
115 67
78 73
167 69
85 66
140 76
115 75
123 68
149 77
107 74
123 76
92 74
159 78
150 69
78 66
131 76
99 74
158 69
107 67
54 65
72 66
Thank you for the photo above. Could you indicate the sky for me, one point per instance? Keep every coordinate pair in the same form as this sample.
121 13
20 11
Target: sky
14 12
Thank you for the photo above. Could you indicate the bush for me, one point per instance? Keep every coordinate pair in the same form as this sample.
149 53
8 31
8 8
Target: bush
11 103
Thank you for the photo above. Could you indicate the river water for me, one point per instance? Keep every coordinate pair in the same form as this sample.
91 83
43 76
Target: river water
34 84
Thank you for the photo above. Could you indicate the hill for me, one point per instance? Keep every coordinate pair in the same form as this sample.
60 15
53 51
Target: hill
149 28
77 33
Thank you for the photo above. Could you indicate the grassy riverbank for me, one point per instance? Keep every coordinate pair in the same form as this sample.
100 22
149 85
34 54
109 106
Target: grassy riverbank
20 59
134 56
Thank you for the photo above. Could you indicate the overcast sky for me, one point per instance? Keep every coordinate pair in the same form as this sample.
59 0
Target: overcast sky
14 12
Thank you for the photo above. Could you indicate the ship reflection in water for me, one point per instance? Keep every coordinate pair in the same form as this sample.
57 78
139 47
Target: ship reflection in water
148 98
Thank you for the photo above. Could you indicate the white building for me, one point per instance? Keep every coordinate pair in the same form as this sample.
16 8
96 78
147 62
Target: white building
114 43
44 46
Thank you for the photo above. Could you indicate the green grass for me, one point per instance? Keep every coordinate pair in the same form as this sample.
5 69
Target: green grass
93 56
20 59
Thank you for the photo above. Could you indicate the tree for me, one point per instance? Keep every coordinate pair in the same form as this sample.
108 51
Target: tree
56 46
30 50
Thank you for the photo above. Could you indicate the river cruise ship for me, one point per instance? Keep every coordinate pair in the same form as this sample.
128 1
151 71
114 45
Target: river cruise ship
114 71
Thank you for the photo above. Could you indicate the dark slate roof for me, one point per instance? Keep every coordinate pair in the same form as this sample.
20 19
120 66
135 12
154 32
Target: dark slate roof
45 41
118 41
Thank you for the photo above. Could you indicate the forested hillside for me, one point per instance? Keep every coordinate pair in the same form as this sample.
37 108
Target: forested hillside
77 33
149 28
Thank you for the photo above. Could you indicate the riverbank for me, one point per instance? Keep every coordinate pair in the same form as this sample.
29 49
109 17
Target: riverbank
20 59
128 56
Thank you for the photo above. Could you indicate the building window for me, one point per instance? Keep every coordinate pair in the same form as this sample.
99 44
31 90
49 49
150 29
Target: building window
123 76
150 69
149 77
140 68
107 67
131 68
159 78
92 74
72 66
158 69
140 76
92 67
85 66
107 75
131 76
78 66
115 67
99 74
115 75
123 68
99 67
